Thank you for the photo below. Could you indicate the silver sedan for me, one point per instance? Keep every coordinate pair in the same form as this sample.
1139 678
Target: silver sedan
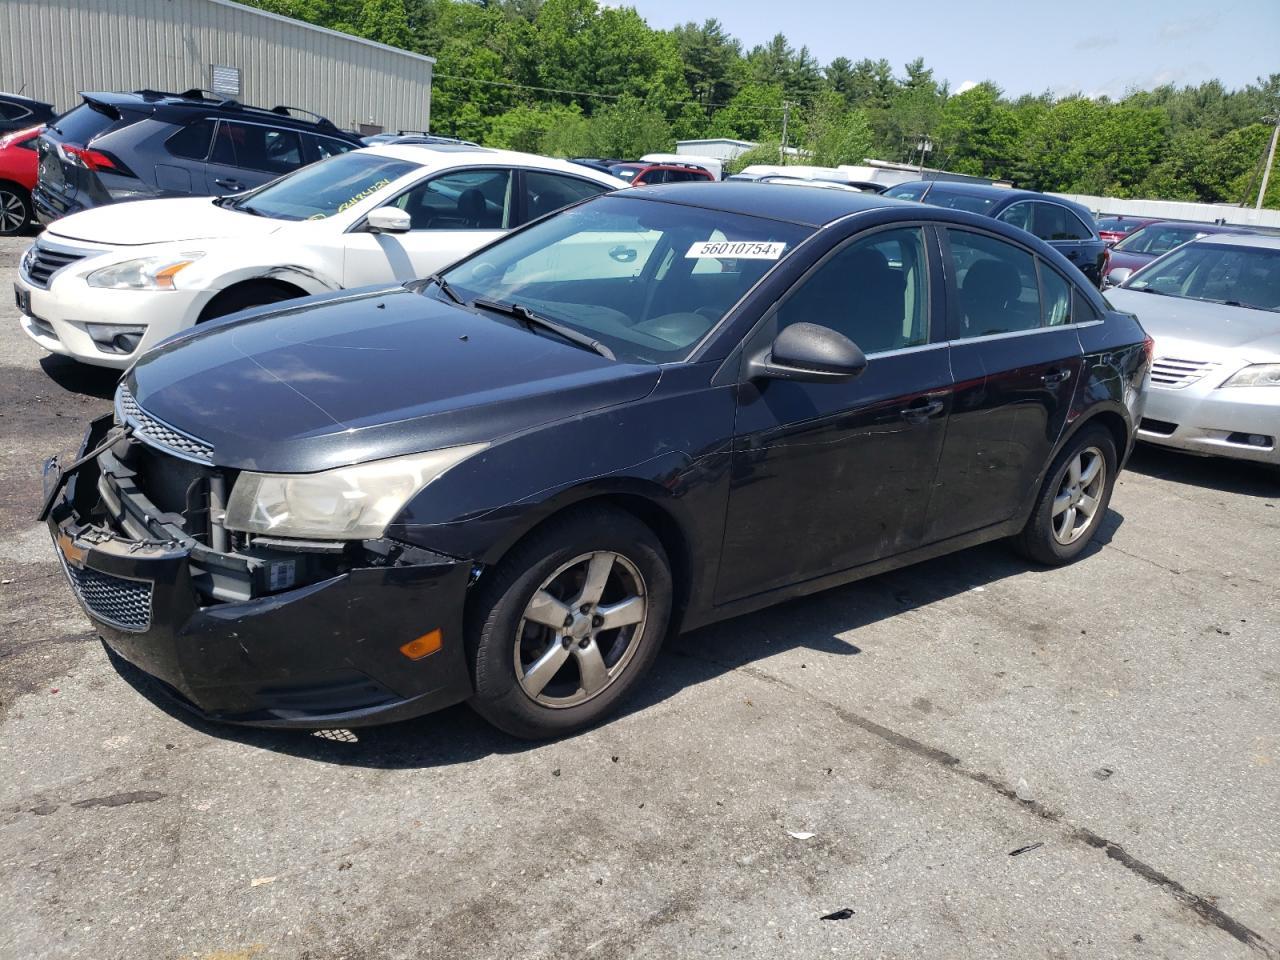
1213 308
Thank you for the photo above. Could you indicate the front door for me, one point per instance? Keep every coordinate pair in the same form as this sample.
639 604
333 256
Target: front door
1017 360
828 476
450 215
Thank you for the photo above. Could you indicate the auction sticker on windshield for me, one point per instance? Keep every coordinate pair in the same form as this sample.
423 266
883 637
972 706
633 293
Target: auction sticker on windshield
741 249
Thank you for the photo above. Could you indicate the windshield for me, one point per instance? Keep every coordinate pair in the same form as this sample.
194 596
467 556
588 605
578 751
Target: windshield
959 201
909 192
325 188
1115 225
1158 238
645 278
1222 273
626 171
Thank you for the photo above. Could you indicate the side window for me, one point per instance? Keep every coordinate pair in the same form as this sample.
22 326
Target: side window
326 147
1057 296
997 284
464 200
192 141
1018 215
12 111
257 148
653 176
1053 222
547 192
874 291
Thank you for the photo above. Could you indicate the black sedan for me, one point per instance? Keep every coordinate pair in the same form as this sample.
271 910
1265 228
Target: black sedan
657 409
1066 226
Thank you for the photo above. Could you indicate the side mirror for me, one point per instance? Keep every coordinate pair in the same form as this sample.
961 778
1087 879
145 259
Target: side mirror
1118 276
807 351
388 220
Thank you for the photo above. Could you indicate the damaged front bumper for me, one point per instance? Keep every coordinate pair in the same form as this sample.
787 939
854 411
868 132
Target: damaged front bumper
216 629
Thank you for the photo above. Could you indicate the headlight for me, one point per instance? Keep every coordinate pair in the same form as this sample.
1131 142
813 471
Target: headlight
349 503
1256 375
148 273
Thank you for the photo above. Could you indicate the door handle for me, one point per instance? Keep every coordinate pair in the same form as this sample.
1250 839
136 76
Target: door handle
919 413
1055 377
232 185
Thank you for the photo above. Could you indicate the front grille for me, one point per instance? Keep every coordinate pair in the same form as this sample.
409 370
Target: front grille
1174 373
42 262
150 430
125 604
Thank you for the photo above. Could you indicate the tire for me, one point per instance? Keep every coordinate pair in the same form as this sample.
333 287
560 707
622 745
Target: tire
1045 538
508 630
244 296
15 209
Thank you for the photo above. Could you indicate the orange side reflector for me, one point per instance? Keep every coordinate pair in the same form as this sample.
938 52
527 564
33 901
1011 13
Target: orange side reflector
424 646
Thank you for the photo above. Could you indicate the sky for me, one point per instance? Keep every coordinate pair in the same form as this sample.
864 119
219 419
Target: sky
1028 47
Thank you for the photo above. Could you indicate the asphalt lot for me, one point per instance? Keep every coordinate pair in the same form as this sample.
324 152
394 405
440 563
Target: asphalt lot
1117 721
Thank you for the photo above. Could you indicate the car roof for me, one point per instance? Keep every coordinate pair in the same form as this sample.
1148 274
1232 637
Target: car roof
194 100
1204 227
810 208
1260 241
445 155
28 101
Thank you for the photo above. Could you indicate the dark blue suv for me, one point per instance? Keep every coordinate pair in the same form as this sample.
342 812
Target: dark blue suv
147 144
1066 226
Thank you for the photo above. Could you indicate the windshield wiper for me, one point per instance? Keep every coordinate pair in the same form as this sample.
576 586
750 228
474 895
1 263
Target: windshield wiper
531 319
447 290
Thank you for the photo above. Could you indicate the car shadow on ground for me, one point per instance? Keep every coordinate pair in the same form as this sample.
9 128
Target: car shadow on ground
822 623
82 378
1215 473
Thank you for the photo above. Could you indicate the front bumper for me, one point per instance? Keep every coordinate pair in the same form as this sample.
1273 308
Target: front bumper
1212 421
322 655
56 317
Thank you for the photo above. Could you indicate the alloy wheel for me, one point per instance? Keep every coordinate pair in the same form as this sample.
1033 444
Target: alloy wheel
1075 506
580 629
13 212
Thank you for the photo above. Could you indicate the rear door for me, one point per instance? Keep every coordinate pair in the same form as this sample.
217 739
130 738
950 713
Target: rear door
450 214
181 168
1017 360
245 155
829 476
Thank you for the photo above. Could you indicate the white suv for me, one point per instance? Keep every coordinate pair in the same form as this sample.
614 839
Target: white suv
103 285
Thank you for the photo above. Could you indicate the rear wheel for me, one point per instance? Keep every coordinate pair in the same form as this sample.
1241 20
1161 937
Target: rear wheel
15 209
568 623
1073 500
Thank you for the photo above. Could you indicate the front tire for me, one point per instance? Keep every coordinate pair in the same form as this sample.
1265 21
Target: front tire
15 209
1073 501
566 625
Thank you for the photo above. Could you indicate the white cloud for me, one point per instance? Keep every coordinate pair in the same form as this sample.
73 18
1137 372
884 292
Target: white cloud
966 86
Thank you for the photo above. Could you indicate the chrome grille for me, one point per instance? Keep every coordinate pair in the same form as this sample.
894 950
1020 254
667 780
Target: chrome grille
150 430
1174 373
41 263
125 604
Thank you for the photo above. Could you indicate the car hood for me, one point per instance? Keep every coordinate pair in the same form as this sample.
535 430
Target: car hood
378 373
1202 329
161 221
1122 258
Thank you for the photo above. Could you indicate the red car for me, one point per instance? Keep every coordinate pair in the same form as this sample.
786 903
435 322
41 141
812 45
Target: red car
644 174
17 178
1115 228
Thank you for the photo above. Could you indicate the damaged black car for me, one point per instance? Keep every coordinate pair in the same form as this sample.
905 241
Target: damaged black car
505 484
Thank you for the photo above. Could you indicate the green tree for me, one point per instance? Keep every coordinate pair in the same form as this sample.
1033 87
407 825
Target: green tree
628 128
833 134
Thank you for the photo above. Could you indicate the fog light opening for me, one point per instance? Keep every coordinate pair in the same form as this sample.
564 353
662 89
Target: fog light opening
115 337
1258 440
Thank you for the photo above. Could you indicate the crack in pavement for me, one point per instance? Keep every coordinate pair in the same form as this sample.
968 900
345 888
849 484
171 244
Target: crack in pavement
1199 905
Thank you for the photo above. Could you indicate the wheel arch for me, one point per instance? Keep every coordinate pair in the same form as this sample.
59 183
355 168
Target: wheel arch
249 283
1116 422
647 502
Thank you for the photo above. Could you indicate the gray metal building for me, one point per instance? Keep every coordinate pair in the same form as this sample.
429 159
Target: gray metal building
50 49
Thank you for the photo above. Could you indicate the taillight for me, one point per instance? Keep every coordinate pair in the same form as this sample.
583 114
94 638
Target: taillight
1149 348
93 159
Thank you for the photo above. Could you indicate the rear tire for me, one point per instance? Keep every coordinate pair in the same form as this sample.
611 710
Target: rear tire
15 209
1073 500
247 295
568 623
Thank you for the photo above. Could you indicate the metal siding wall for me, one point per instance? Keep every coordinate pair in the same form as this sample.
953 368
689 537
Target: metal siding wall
55 48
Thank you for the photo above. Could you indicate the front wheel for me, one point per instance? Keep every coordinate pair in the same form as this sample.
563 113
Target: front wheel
1073 500
567 624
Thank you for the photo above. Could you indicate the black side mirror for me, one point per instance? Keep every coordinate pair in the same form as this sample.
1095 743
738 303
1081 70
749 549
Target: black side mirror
807 351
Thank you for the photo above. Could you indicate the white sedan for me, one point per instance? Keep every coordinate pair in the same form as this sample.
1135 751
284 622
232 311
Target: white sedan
103 285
